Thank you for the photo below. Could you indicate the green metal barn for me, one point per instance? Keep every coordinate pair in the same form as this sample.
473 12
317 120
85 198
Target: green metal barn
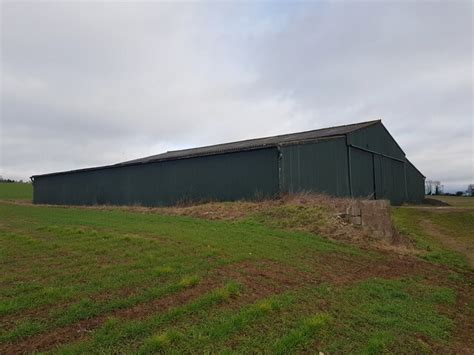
358 160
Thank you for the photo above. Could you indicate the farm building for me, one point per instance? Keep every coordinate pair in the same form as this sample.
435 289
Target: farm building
358 160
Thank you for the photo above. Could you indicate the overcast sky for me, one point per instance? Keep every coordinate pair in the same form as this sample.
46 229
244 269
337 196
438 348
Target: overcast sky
86 84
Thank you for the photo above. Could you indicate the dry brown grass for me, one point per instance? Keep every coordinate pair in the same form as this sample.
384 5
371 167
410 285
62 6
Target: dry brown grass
307 212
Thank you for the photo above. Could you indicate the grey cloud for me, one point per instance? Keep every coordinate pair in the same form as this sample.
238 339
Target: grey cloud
95 83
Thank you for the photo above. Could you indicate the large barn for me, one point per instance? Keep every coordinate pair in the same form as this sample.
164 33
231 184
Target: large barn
357 160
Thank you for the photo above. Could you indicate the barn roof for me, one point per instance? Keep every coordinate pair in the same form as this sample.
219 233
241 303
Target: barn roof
256 143
250 144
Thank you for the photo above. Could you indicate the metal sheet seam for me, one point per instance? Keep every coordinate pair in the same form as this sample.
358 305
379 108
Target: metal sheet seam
349 166
374 152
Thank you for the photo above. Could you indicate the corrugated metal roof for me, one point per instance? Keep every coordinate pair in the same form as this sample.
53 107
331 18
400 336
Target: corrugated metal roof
249 144
255 143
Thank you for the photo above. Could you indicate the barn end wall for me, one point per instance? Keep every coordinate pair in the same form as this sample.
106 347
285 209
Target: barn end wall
415 184
377 165
367 163
228 176
376 138
319 167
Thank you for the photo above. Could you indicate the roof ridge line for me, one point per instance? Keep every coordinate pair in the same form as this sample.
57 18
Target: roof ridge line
276 136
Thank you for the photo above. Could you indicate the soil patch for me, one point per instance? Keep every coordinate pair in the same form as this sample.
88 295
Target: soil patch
434 202
260 279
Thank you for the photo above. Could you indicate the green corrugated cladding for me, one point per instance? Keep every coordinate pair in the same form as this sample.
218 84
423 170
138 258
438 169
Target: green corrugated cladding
378 165
362 173
365 163
376 138
390 179
229 176
415 184
320 167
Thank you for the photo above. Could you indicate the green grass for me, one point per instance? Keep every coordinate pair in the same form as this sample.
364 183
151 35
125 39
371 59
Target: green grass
376 315
372 316
305 331
16 191
294 217
63 256
253 285
455 224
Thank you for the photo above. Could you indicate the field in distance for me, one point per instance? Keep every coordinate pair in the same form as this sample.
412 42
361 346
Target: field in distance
240 277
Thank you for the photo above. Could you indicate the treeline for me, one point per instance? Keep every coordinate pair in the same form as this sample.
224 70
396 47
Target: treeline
2 180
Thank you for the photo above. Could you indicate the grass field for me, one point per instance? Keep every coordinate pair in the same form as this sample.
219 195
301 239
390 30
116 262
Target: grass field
16 191
456 201
84 280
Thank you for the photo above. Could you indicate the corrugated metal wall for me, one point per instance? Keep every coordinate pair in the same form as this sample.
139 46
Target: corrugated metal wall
227 176
324 167
391 180
365 163
376 138
320 167
362 173
415 183
377 165
377 176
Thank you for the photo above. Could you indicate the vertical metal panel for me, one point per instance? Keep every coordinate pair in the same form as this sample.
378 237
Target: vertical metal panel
415 184
391 180
319 167
377 176
349 169
227 176
362 173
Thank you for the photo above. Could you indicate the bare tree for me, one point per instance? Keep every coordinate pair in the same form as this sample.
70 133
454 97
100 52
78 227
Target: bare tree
433 187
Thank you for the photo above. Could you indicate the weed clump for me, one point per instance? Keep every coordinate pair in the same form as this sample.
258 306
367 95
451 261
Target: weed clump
189 281
303 333
160 342
164 270
231 290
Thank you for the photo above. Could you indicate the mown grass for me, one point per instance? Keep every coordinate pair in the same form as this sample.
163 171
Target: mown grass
61 266
16 191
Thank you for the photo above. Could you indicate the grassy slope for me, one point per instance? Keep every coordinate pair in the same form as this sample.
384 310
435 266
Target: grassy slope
70 269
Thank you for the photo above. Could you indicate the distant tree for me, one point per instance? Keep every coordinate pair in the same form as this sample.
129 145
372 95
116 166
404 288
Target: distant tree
433 187
459 193
470 190
428 187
